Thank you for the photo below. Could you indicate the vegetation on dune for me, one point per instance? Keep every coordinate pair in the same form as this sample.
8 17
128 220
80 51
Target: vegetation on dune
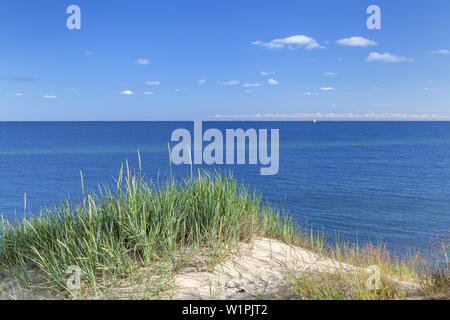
138 224
112 234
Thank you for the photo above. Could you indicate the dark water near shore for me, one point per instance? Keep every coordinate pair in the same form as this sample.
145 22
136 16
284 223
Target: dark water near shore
369 181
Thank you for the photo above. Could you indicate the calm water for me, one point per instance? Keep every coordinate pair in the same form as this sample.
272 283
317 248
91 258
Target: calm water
369 181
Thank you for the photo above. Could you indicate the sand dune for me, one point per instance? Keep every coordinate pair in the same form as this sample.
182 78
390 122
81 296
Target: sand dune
258 272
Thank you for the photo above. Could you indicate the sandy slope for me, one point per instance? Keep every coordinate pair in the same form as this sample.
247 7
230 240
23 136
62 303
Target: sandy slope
257 271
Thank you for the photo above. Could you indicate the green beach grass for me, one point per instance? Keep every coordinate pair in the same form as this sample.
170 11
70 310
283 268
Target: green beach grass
140 234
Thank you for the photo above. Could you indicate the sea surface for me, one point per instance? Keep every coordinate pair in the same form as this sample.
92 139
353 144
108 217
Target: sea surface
359 181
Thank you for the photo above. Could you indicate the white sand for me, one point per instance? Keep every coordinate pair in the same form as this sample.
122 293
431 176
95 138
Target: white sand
257 272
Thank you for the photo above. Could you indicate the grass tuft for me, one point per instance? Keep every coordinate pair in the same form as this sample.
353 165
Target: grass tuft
139 224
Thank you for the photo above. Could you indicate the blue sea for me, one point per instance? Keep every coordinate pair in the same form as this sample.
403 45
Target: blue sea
359 181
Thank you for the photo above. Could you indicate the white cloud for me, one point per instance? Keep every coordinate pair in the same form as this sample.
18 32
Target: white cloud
18 94
127 92
310 93
327 88
248 91
88 53
153 83
228 83
149 93
330 74
428 89
252 84
49 96
263 73
143 62
356 42
442 51
375 88
273 82
386 57
291 42
201 81
339 116
180 90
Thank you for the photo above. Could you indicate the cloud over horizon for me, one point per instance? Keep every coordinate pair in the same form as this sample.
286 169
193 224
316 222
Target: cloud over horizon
311 93
256 84
442 51
386 57
338 116
356 42
228 83
292 42
263 73
143 62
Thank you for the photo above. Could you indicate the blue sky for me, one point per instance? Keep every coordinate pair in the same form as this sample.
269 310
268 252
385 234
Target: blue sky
182 60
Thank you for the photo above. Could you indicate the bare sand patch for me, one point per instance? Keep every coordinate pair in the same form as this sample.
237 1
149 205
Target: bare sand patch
257 271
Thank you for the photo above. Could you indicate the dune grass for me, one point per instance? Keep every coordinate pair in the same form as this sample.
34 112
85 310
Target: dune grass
113 235
139 224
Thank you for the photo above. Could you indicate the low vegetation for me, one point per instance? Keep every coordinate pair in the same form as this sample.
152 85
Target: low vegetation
129 242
